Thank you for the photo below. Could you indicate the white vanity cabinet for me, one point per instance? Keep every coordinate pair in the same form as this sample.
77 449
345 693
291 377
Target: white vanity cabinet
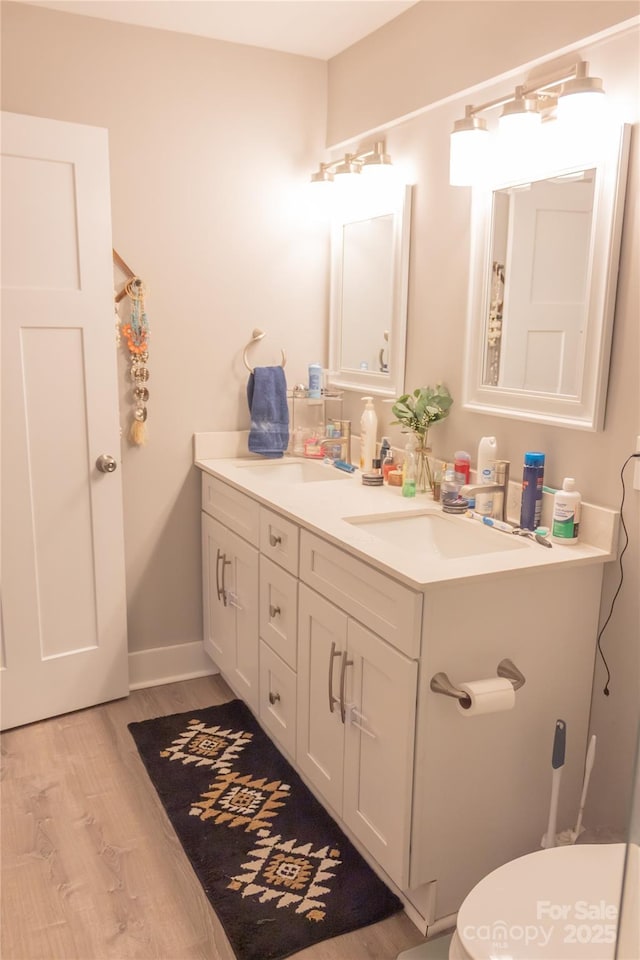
357 700
230 586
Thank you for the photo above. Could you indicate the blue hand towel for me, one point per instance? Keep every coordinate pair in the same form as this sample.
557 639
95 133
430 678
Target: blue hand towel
267 396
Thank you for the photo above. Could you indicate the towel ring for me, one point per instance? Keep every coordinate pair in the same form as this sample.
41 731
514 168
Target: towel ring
255 337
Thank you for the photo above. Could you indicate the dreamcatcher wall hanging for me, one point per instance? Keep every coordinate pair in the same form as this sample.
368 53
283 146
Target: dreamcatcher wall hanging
136 337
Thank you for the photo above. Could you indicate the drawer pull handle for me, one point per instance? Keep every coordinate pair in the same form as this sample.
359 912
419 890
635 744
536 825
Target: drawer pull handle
274 698
274 611
334 653
274 540
343 682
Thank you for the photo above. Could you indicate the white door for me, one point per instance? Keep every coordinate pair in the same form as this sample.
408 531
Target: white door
63 589
546 285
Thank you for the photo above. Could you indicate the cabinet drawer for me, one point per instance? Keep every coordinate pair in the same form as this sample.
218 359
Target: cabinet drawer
278 699
387 607
279 610
236 510
279 540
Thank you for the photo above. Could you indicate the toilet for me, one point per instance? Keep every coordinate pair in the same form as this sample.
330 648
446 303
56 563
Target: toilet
555 904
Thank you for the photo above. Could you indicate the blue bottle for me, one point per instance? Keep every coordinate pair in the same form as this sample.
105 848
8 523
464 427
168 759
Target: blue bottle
532 481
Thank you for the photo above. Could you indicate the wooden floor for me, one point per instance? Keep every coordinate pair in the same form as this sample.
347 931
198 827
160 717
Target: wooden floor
91 867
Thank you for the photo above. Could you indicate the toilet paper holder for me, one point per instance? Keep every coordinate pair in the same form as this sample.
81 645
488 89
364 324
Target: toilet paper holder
440 682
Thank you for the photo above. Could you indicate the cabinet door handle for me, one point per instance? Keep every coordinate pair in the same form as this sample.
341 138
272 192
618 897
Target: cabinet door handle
218 590
274 698
225 564
274 540
343 682
334 653
274 611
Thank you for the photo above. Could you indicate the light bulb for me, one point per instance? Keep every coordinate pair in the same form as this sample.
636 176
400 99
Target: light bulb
469 151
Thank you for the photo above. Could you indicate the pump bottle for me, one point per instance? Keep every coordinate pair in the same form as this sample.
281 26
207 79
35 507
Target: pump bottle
368 435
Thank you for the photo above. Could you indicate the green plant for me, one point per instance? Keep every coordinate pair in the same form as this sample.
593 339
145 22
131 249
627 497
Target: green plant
418 410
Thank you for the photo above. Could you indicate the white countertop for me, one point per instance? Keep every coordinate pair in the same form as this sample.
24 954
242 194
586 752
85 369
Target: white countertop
322 507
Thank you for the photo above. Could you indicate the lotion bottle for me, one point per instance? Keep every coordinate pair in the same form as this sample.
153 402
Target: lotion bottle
487 453
565 526
368 435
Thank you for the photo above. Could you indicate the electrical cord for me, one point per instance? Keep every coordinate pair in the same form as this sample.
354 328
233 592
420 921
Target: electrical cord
605 689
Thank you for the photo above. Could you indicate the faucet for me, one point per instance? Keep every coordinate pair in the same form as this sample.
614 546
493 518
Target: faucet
343 442
343 438
501 484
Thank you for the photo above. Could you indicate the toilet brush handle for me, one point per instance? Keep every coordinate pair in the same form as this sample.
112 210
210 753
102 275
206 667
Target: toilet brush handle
549 839
557 762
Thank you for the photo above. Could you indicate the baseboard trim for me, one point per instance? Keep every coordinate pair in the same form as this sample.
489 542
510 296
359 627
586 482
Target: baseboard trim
159 665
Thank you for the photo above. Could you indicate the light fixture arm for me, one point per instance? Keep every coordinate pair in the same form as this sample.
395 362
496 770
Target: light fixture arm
551 80
353 162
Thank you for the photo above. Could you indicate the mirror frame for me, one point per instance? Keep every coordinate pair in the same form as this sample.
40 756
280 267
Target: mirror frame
397 202
586 410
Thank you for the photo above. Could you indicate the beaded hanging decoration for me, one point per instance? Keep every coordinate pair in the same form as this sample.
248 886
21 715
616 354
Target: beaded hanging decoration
136 335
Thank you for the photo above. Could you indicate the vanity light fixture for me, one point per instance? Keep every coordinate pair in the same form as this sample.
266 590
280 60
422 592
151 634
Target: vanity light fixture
371 161
575 94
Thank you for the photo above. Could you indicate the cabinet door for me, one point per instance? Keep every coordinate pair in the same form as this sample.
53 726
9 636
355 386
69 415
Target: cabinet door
322 646
218 617
230 571
239 572
379 742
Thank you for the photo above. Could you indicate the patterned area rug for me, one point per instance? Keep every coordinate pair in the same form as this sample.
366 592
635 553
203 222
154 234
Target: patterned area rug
278 871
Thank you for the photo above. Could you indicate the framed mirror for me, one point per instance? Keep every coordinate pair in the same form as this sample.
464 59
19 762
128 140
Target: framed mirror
543 275
369 280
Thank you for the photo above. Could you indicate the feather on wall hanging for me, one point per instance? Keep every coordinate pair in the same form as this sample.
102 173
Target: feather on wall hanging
136 335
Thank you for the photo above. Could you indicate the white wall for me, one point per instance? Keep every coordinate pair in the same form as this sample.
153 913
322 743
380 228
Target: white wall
210 143
440 238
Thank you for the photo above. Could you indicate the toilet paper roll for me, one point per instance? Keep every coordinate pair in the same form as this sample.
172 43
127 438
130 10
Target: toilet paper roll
487 696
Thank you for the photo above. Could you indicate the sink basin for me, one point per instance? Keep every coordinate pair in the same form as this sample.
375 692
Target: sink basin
294 471
446 537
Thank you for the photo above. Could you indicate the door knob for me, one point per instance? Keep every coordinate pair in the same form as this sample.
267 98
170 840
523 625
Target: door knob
106 463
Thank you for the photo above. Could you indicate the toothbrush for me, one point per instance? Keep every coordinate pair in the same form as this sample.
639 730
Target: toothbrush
490 522
498 524
557 762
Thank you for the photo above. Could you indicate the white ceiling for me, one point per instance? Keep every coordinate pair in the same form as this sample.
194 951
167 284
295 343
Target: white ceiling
312 28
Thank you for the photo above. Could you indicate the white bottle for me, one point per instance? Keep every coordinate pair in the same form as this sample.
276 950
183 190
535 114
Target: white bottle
565 526
368 435
487 452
